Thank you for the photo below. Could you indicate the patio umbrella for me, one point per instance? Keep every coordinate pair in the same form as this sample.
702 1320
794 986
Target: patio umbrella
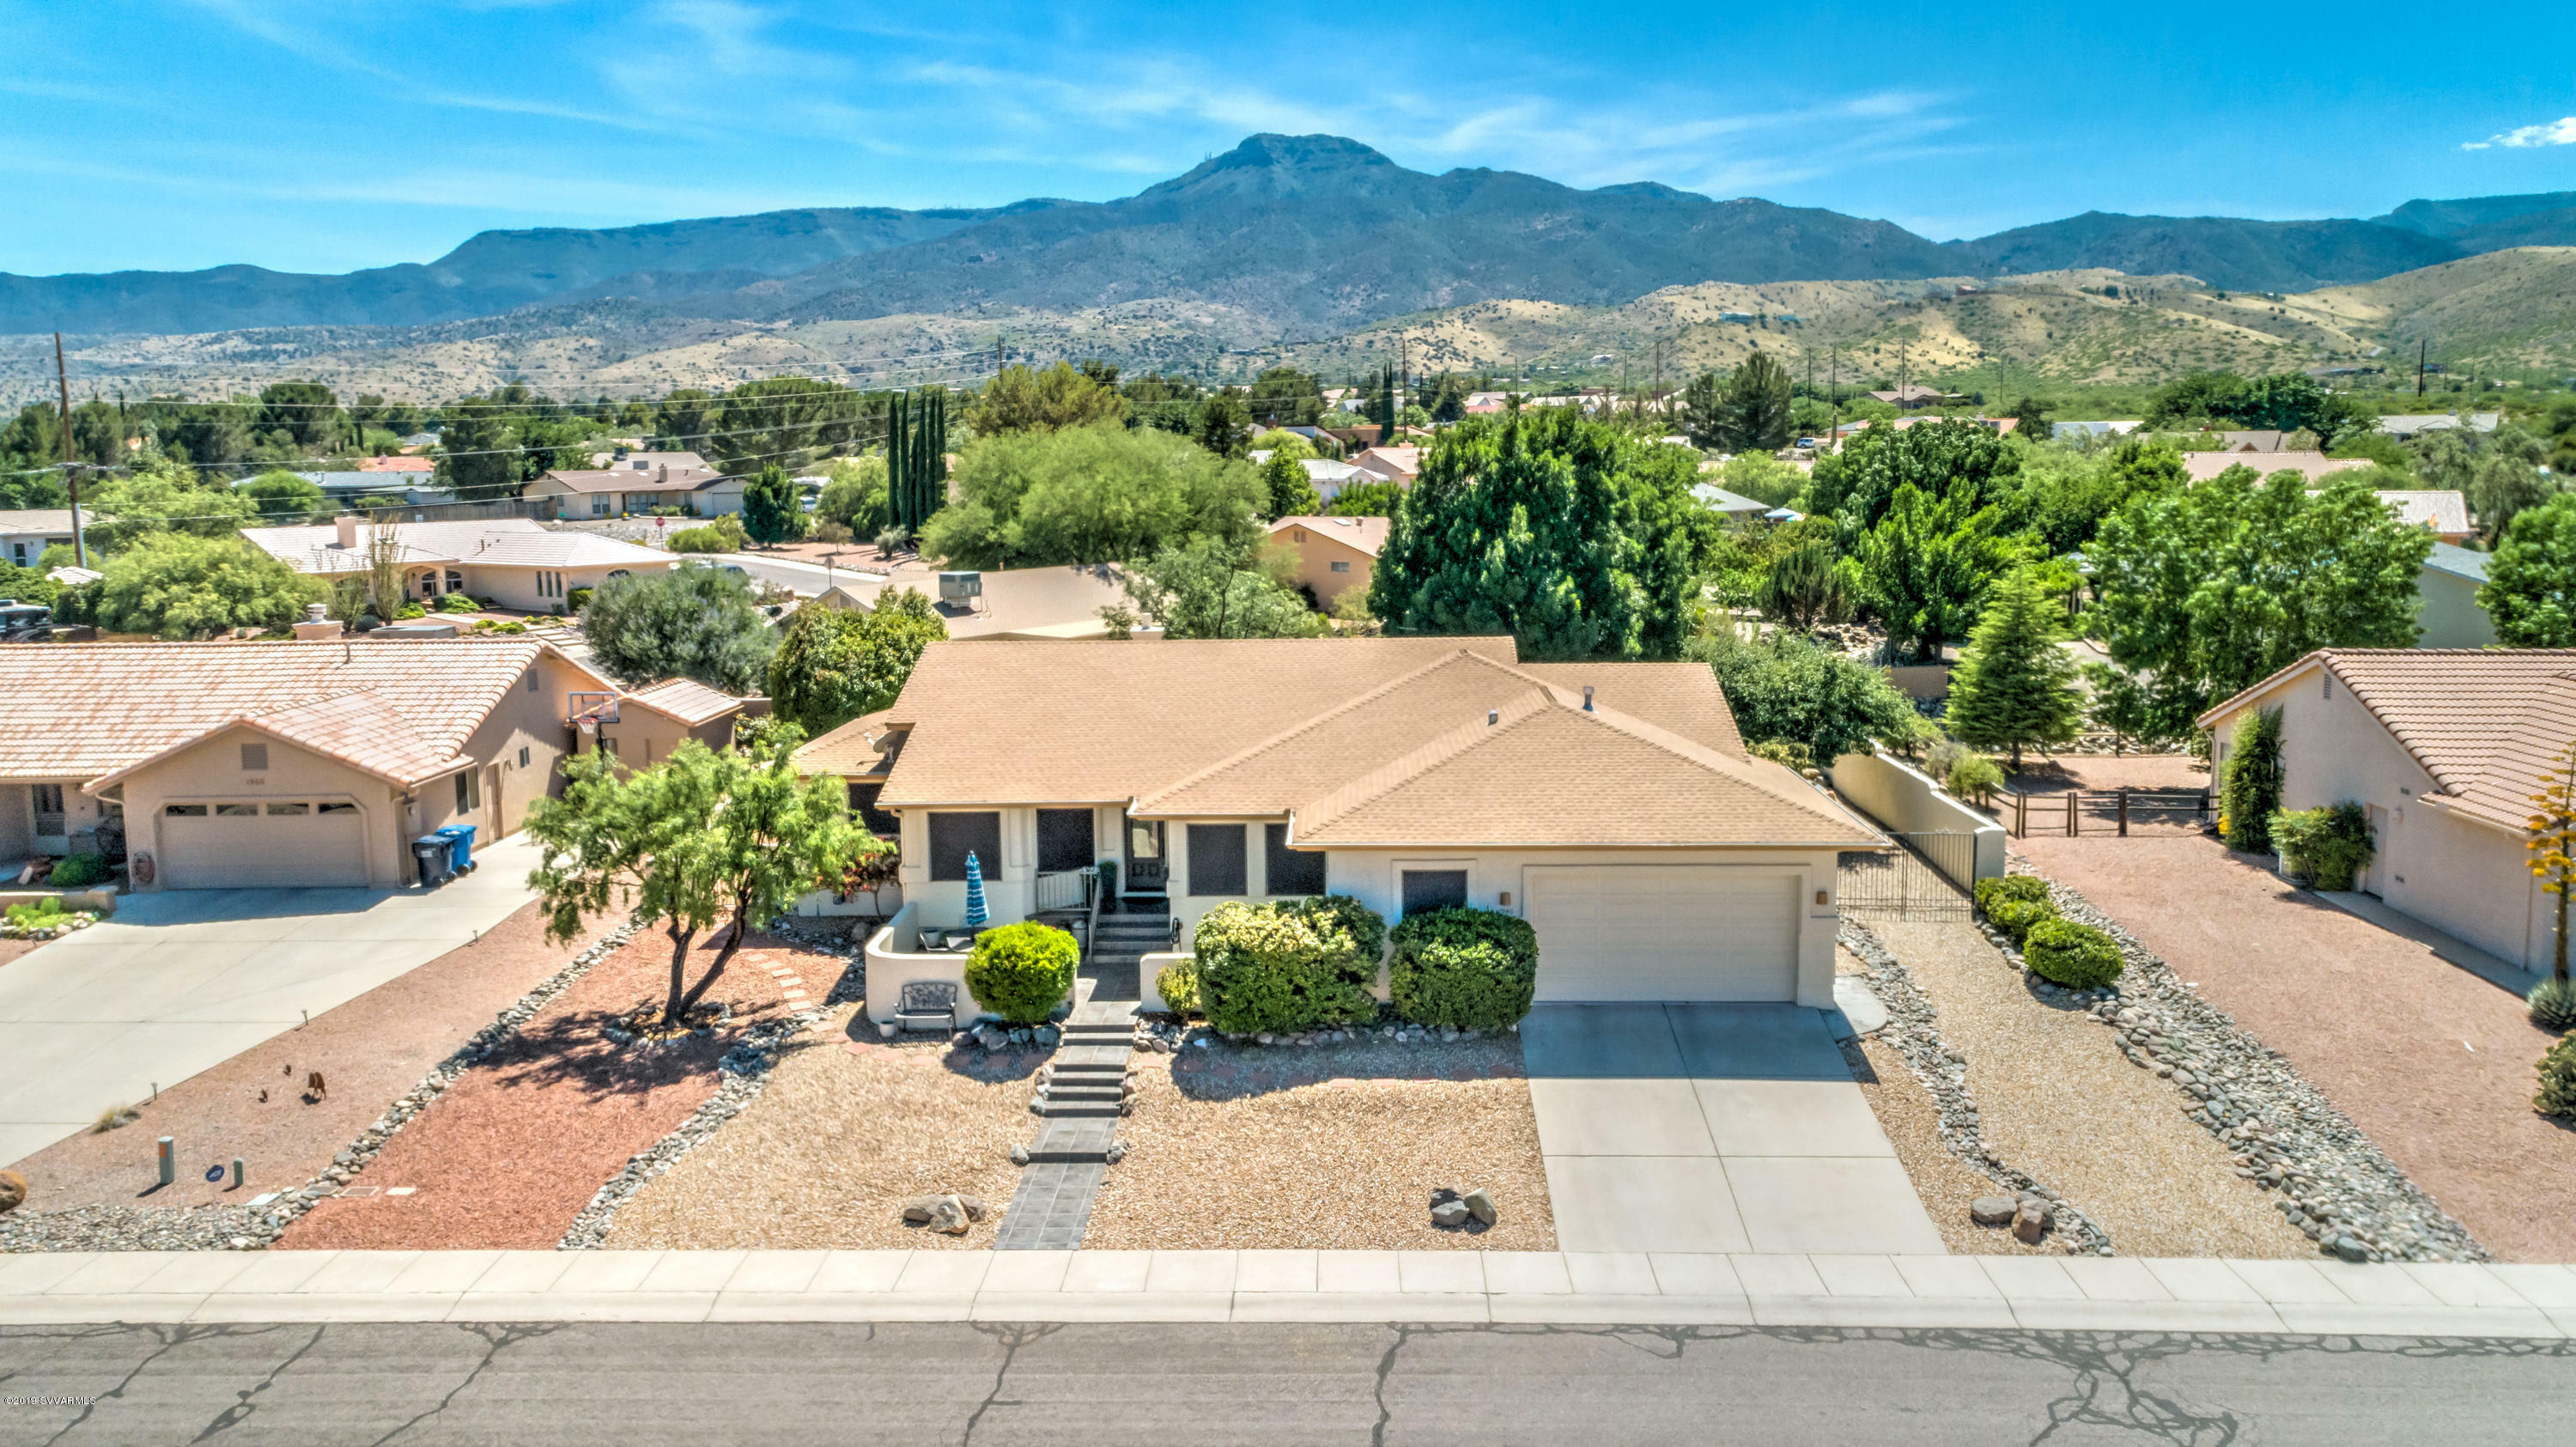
975 912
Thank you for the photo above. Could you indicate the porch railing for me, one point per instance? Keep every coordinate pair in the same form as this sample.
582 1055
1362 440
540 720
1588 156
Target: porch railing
1066 890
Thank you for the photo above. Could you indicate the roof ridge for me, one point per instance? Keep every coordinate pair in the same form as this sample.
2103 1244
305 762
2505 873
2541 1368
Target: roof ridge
1404 768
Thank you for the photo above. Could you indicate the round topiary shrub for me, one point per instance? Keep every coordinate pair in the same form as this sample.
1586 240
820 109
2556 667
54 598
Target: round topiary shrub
2077 956
2018 888
2015 917
75 871
1021 972
1286 965
1476 969
2558 1080
2552 1004
1178 984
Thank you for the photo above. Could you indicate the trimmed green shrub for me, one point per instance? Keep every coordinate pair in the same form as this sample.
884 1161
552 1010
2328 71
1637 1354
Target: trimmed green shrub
701 540
2325 847
458 603
1021 972
1974 776
1286 965
1178 984
579 598
2250 793
2075 955
1476 969
2017 917
2552 1004
2023 888
2558 1080
75 871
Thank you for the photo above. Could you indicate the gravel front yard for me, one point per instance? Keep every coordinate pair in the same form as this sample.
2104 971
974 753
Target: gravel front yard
1334 1147
2432 1062
844 1132
514 1150
1906 1111
2057 1100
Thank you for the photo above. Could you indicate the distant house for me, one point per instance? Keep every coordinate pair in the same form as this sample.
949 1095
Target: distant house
2410 424
2202 466
1005 603
1911 396
509 562
638 487
1334 554
2092 429
2255 441
2443 512
1398 465
396 464
637 460
1741 318
1330 477
1730 505
650 722
414 488
2450 615
25 533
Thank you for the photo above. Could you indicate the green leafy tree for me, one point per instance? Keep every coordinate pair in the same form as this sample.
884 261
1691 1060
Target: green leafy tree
1210 589
2210 589
772 510
2031 419
1858 484
283 497
163 497
1091 495
2530 592
1367 500
2285 402
175 587
1224 425
690 842
1025 399
856 496
2250 792
2014 687
473 454
695 621
1787 688
300 419
1292 492
834 664
1927 564
2065 494
1284 396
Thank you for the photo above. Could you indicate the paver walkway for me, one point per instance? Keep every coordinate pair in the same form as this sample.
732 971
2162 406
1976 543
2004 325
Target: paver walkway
1712 1128
182 980
1052 1207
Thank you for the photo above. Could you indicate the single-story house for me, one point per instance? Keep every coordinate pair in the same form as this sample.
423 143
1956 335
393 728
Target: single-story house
1330 476
25 533
633 459
1398 465
245 765
2442 748
2442 511
2450 615
1911 396
2202 466
638 486
1612 805
642 728
414 488
1007 603
1333 554
2403 425
2255 440
508 562
1728 504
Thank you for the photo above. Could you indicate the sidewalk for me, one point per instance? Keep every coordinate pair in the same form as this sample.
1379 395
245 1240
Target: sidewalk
2005 1293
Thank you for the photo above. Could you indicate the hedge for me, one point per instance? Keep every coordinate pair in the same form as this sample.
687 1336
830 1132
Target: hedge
1287 965
72 871
2325 847
1475 969
2075 955
1021 972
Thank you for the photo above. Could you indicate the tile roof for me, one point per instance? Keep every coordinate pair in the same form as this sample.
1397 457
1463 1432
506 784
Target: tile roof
1392 463
1367 534
687 700
396 464
499 542
2206 465
90 710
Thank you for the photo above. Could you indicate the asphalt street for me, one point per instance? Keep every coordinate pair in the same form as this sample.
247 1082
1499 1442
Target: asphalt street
992 1383
796 573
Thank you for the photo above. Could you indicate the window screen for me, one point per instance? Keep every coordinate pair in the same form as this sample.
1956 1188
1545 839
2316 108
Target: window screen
1290 871
1064 839
1216 859
952 836
1430 889
254 758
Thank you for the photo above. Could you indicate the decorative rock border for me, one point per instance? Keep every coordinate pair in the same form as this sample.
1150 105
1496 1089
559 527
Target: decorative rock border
2337 1187
250 1228
1913 1031
745 1068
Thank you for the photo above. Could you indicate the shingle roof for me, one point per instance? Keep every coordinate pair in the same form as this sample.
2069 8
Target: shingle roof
1061 602
685 699
91 710
2443 511
865 745
36 520
2202 466
1367 534
501 542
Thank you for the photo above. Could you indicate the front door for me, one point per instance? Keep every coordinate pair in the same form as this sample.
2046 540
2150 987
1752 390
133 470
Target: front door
1146 872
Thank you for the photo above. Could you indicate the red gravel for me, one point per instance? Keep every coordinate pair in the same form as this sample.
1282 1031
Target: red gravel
369 1051
2432 1061
519 1145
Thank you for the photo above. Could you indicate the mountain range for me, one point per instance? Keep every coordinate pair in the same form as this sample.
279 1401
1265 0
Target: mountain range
1306 236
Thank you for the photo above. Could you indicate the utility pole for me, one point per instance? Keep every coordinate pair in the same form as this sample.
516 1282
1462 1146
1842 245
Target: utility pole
2420 344
1834 384
71 473
1001 356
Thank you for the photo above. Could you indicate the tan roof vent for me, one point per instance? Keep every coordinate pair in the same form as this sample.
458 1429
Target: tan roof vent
1493 716
1587 698
348 524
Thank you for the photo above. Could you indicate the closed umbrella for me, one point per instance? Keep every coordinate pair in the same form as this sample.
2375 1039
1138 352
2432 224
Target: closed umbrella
975 912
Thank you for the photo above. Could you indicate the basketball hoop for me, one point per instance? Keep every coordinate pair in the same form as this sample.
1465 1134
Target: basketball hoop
590 710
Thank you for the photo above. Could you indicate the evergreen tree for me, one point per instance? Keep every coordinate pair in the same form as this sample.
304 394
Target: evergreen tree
1224 424
2014 686
1756 409
1704 412
1291 492
769 507
2250 789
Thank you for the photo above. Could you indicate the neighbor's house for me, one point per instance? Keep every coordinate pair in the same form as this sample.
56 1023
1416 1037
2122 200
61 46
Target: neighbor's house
396 464
1398 465
1060 602
237 765
2203 466
505 562
415 488
25 533
2414 424
640 729
2442 749
2450 615
1910 396
2443 512
1729 505
2092 429
1333 554
633 459
635 487
2258 440
1612 805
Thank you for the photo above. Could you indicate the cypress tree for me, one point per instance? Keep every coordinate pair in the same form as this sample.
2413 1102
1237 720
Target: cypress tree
898 481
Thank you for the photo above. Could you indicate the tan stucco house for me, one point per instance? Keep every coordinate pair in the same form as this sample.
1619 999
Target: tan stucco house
233 765
2442 748
1333 554
638 484
506 562
1612 805
642 728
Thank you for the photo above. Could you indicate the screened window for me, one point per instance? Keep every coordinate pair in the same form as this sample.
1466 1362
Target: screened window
1290 871
1064 839
469 792
1430 889
1216 859
954 836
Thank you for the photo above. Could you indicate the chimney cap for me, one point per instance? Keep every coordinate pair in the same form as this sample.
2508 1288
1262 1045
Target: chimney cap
1493 716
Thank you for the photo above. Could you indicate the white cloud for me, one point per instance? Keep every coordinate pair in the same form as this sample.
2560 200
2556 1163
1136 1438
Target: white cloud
2560 132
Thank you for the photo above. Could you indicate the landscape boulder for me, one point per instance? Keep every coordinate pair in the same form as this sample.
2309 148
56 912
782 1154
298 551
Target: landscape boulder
1449 1213
2031 1221
1480 1204
13 1191
1993 1210
949 1217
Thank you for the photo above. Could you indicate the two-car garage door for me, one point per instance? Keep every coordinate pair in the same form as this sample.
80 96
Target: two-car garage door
1664 932
271 844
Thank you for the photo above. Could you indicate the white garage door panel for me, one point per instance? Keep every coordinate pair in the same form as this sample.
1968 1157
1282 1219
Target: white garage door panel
233 851
1664 932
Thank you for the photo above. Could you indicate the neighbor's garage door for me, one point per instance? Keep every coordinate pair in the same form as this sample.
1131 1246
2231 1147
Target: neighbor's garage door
1664 932
277 843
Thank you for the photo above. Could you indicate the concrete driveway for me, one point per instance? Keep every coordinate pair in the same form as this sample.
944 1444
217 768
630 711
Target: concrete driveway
1695 1128
182 980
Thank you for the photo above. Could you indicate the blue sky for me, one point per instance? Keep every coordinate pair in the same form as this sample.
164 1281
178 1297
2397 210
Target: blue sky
323 137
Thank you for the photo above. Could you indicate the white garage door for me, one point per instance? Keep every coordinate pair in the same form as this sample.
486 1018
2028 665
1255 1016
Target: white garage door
278 843
1664 932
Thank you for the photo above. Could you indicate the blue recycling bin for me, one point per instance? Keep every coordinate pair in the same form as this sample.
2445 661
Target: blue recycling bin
460 843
